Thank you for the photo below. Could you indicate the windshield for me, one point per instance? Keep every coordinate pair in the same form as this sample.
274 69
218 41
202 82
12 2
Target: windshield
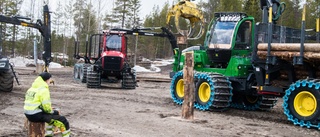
222 32
114 42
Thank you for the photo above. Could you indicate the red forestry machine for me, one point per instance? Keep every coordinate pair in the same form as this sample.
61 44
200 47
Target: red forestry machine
106 57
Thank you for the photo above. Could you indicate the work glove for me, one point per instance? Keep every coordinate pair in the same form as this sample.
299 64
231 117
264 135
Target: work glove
56 111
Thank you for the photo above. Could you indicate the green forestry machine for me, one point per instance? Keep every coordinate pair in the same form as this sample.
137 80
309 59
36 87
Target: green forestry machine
249 65
7 73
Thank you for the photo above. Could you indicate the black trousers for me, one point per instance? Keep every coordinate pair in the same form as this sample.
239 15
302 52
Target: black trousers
45 117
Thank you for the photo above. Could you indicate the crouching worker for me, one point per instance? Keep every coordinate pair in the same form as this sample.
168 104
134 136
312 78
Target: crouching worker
37 106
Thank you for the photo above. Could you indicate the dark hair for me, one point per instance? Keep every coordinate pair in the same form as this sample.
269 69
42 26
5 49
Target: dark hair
45 75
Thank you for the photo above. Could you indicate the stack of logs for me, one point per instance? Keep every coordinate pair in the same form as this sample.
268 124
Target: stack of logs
287 51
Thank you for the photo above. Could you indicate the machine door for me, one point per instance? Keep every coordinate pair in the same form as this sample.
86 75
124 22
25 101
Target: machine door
243 38
95 46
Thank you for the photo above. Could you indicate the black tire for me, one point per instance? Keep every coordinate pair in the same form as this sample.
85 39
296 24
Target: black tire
294 111
213 91
199 95
93 78
128 81
176 89
76 72
268 102
6 81
301 103
83 73
251 102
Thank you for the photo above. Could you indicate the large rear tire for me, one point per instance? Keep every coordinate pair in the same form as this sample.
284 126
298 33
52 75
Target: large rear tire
213 91
252 102
301 103
128 81
76 72
6 81
93 78
177 88
83 73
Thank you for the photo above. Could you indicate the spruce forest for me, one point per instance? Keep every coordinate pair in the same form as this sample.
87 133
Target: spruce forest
75 19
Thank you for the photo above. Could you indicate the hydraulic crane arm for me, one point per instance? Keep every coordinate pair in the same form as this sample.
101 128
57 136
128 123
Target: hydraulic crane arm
149 32
17 21
277 8
43 27
187 10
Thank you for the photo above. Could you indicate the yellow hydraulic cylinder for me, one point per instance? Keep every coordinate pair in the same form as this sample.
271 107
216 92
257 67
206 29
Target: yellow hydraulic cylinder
304 13
318 25
270 14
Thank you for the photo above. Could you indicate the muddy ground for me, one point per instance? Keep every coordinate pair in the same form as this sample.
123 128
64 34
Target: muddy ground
147 111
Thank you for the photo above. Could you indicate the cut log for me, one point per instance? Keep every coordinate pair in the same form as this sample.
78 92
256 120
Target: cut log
187 106
36 129
308 47
290 54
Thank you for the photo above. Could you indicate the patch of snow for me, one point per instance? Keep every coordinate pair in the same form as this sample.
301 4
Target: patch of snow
23 62
138 68
154 65
162 62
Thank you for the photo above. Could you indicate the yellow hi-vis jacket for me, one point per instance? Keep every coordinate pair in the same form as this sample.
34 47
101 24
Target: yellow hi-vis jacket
37 98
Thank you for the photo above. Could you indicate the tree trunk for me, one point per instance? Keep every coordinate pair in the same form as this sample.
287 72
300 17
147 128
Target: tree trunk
36 129
187 107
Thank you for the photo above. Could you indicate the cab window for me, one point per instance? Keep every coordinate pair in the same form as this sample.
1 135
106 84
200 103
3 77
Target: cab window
113 42
243 36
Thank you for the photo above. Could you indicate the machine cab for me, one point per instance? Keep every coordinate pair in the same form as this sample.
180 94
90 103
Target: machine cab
109 49
114 44
230 34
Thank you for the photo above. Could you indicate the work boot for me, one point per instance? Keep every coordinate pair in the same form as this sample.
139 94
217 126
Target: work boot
49 131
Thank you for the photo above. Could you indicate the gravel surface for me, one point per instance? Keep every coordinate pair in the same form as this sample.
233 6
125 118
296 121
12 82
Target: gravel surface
147 111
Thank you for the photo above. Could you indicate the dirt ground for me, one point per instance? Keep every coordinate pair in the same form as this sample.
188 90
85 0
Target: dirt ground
147 111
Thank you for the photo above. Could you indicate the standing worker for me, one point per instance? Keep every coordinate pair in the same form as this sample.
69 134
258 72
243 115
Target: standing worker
37 106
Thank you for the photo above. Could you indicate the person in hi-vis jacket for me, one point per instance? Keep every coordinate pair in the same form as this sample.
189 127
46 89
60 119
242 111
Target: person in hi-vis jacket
37 106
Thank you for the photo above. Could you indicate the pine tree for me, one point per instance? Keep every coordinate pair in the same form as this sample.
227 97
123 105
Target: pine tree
9 8
209 8
58 19
156 47
230 6
134 20
312 12
84 21
292 14
78 10
122 11
252 8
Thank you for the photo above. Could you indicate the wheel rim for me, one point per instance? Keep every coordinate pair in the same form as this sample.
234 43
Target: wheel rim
81 73
75 73
204 92
252 99
305 103
180 88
